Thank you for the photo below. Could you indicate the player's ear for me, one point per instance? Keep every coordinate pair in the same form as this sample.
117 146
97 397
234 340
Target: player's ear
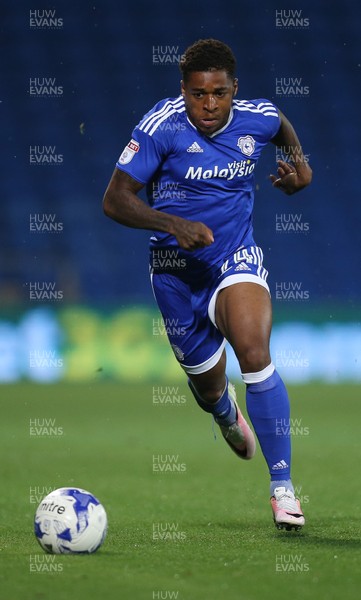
235 86
182 87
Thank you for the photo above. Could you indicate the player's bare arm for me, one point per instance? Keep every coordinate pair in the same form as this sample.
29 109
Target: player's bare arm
122 204
291 176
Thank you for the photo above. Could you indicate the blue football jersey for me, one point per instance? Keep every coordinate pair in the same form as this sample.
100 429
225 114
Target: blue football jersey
199 177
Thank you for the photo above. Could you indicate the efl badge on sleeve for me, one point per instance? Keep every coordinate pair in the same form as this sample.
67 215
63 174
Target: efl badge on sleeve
129 152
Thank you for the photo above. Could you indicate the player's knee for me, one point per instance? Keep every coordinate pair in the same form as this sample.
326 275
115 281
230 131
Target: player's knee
209 393
253 359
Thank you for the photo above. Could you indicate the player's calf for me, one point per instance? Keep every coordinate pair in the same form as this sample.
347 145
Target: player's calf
233 425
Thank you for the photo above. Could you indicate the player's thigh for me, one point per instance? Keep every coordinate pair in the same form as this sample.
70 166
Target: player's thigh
244 317
196 342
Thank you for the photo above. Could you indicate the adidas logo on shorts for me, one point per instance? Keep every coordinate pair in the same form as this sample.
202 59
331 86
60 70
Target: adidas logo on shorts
243 267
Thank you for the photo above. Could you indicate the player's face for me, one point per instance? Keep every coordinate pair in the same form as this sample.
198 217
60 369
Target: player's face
208 98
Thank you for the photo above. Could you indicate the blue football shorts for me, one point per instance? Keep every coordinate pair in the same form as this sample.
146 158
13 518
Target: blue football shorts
187 302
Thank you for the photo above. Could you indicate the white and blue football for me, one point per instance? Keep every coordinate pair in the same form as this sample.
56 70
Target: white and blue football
70 521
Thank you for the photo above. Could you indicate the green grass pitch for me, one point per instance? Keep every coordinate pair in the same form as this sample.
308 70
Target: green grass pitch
201 528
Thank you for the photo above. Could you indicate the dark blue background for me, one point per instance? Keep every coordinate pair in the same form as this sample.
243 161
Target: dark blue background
103 58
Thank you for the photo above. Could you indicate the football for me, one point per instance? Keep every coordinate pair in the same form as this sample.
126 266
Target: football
70 521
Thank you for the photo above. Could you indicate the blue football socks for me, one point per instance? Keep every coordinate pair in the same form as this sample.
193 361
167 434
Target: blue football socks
269 410
224 410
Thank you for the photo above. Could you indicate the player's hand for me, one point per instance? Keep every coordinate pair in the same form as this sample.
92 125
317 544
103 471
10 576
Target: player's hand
288 179
191 235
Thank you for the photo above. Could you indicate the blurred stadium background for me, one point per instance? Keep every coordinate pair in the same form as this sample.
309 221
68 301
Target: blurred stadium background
76 302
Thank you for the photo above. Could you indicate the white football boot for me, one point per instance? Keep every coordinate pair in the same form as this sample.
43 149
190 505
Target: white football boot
287 512
239 435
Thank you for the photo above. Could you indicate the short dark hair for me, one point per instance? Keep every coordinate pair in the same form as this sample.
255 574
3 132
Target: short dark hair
208 55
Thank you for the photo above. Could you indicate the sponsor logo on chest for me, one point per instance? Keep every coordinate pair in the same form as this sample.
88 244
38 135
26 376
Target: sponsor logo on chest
233 170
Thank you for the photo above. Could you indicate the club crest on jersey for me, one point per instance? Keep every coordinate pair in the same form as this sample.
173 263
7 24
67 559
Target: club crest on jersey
178 352
246 144
129 151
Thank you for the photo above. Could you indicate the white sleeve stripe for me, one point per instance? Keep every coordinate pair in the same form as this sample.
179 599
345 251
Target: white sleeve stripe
265 108
169 103
170 110
247 103
154 116
265 104
268 109
244 103
159 121
159 113
249 108
265 112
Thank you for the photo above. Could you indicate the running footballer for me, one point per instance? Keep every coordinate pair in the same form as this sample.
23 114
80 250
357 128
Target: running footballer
206 269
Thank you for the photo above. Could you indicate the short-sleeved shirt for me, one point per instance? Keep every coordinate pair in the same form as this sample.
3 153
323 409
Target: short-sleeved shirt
207 178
